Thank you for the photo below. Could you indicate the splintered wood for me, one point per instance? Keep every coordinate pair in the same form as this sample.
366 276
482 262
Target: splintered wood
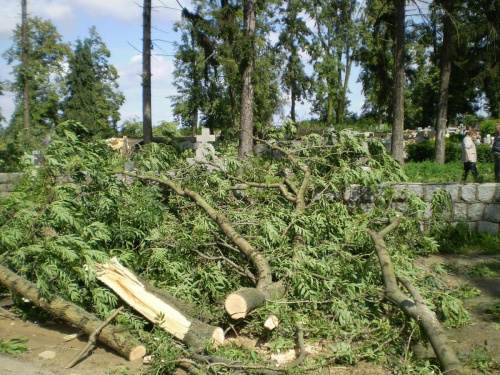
136 294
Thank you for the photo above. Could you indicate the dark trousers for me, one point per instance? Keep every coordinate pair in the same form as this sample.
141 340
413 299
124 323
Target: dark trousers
497 167
469 166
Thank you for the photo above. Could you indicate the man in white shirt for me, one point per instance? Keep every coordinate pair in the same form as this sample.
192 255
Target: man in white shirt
469 155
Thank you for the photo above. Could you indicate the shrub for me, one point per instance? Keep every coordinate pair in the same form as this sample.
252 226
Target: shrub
419 152
488 126
11 159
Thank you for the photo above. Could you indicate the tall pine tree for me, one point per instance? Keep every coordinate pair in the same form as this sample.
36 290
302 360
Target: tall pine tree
93 98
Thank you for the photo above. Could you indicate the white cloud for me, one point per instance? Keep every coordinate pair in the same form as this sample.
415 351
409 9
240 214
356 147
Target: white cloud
66 11
11 11
161 88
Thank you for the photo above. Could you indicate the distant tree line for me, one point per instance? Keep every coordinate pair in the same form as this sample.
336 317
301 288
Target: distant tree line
54 82
422 63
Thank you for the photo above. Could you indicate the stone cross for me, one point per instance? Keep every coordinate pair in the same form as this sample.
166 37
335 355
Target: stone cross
204 137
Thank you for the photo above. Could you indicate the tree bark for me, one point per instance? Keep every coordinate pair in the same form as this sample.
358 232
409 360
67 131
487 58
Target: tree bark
116 337
398 116
25 74
146 74
247 93
444 82
416 309
148 302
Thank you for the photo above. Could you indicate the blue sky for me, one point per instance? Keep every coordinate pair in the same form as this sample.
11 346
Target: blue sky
119 23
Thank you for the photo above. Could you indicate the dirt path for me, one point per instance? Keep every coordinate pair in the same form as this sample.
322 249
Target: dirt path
48 352
478 342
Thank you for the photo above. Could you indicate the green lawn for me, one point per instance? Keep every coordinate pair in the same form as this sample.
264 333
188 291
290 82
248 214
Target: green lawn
429 171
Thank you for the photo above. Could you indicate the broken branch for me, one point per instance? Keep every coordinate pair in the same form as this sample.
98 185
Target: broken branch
93 337
417 309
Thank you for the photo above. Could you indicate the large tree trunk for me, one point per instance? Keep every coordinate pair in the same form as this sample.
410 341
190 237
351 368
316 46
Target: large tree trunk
345 88
416 308
159 308
25 79
398 117
146 74
444 82
115 337
247 93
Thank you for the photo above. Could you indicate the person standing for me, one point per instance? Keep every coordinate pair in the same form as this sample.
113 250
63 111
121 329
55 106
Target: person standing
469 155
496 153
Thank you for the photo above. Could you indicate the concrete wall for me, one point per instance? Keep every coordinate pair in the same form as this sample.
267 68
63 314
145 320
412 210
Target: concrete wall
478 204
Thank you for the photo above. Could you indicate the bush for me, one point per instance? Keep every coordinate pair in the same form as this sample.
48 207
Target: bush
488 126
11 159
424 151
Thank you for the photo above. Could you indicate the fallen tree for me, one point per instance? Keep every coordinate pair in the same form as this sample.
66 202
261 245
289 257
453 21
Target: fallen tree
182 229
115 337
417 308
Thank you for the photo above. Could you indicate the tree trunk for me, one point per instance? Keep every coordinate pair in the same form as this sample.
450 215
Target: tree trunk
330 108
117 338
146 74
25 75
444 82
166 312
399 84
247 93
238 304
416 309
345 89
194 126
292 105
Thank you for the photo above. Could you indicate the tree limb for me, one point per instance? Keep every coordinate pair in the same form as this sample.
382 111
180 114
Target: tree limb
416 309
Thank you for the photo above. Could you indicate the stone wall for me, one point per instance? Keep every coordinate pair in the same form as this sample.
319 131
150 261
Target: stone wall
8 182
477 204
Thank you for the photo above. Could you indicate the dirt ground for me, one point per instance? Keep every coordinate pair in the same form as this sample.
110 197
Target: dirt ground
48 353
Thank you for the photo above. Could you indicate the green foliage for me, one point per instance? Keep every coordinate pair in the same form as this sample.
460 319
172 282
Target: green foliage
11 159
50 230
481 361
487 126
92 96
424 151
43 73
13 346
495 309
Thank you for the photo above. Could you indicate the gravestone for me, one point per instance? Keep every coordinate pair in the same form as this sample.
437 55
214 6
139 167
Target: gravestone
205 151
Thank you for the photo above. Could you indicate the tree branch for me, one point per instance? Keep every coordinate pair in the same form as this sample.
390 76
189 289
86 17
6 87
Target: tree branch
417 309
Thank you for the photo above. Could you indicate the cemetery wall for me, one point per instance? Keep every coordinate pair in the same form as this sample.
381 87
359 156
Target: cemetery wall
477 204
8 182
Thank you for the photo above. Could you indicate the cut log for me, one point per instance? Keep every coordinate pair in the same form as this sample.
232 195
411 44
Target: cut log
238 304
271 322
115 337
157 309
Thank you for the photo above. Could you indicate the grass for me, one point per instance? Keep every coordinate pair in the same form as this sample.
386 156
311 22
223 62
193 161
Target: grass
13 346
429 171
